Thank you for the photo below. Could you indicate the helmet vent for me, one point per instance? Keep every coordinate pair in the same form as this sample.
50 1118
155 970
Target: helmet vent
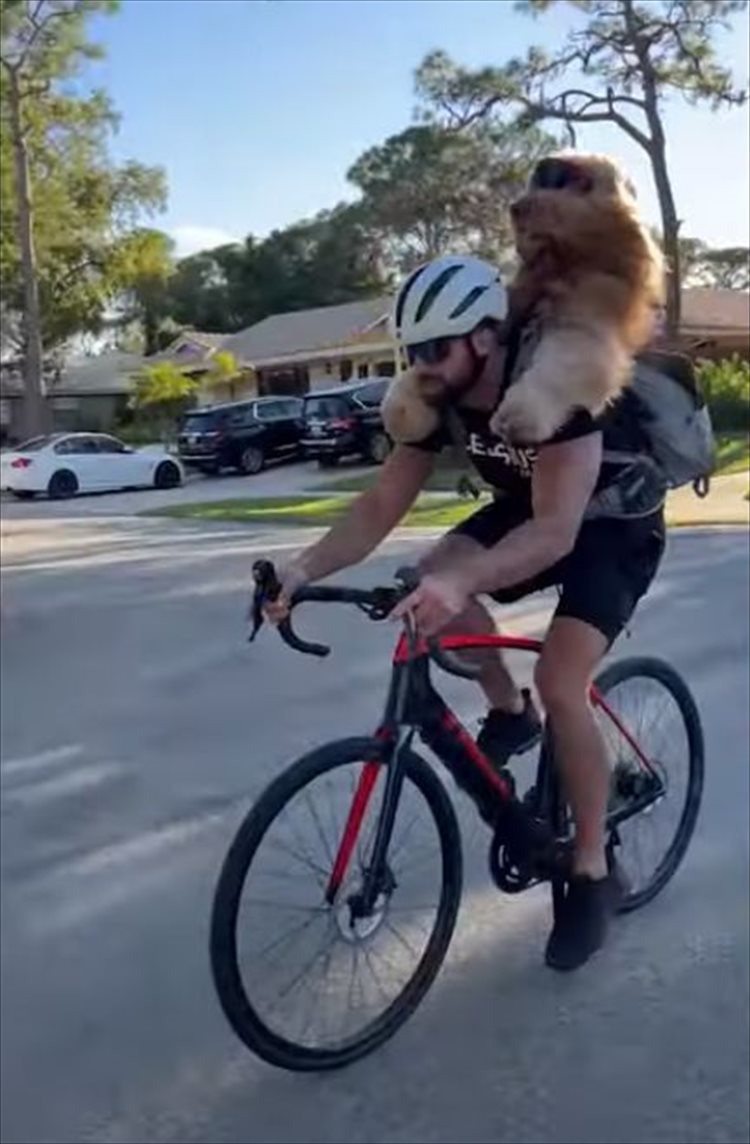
468 301
434 289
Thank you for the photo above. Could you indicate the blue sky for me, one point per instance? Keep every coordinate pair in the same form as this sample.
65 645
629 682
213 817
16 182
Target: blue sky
257 108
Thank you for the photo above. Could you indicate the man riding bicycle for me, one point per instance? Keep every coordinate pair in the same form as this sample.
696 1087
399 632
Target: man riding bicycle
545 526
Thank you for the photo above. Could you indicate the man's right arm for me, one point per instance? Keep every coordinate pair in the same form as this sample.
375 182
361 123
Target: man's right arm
367 521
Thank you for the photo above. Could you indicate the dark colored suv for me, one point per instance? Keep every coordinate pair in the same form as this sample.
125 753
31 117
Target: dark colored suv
346 421
243 435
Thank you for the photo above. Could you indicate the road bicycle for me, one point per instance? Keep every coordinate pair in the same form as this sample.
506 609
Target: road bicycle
349 864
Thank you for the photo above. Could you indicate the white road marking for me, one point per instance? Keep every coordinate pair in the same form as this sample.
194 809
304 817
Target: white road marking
31 763
113 876
73 782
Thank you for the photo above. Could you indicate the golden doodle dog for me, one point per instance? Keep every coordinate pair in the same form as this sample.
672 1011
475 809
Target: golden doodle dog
593 276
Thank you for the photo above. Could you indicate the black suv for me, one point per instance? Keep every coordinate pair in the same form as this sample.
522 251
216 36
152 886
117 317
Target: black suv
243 435
346 421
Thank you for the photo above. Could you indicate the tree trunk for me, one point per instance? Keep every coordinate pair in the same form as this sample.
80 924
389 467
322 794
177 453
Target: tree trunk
657 153
35 408
150 332
671 236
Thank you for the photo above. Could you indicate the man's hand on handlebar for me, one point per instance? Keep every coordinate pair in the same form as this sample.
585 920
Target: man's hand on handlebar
437 600
291 578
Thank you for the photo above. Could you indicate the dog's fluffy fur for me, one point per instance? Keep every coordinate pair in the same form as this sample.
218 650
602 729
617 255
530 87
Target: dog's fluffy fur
594 276
410 408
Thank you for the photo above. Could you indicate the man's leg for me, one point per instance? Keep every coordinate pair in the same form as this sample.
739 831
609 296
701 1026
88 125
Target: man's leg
571 653
494 679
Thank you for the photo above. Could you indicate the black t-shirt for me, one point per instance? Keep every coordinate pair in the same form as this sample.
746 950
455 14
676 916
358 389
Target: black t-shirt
507 468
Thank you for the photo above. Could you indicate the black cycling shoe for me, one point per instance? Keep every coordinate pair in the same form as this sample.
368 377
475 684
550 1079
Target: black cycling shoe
581 921
504 734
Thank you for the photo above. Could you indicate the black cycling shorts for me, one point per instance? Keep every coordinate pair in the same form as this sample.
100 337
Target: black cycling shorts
602 579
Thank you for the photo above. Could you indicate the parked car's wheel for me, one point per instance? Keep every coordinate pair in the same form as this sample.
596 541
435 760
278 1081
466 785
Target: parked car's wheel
251 461
328 462
22 494
62 484
167 476
378 448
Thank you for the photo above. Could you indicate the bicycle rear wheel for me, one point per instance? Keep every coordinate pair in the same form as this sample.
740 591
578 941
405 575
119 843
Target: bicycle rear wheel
304 983
653 705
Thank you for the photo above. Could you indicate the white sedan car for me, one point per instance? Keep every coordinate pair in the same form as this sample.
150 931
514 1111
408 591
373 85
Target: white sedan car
64 464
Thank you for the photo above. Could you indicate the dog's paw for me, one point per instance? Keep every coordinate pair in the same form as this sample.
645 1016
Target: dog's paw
526 417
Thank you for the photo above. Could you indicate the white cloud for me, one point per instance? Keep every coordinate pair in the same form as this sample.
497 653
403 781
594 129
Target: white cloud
191 239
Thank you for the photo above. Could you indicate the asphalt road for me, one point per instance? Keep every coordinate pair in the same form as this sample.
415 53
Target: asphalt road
136 727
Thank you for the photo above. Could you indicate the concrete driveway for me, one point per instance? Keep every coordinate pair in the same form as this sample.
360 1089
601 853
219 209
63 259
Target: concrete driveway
137 726
279 479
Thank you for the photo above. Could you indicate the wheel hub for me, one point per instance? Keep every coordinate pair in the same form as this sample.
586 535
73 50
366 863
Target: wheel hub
355 927
631 782
355 920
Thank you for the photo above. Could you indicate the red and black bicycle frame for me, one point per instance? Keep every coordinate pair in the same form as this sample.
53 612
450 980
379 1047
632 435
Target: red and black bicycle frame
414 706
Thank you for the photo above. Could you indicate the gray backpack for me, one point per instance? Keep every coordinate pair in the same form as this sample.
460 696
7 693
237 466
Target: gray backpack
678 440
674 417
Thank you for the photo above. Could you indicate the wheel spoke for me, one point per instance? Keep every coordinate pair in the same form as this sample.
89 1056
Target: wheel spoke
649 710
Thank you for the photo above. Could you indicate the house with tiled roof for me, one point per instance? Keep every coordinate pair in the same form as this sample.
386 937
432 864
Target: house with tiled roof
308 349
716 323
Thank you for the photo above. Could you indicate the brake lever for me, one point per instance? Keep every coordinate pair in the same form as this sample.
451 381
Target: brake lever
255 615
267 587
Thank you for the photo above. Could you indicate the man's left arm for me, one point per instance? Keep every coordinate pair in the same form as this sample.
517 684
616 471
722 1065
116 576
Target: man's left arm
564 477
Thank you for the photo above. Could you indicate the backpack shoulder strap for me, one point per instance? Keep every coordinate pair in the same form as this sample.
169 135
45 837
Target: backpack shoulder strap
466 485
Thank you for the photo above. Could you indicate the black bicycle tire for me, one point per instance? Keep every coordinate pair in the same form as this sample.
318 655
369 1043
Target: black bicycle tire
614 673
658 669
235 1004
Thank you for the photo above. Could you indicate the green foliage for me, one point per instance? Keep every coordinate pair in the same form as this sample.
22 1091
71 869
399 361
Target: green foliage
726 386
430 190
143 264
85 208
223 373
161 394
725 268
330 259
732 453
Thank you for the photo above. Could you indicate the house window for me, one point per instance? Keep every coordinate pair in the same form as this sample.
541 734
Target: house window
385 368
345 370
362 370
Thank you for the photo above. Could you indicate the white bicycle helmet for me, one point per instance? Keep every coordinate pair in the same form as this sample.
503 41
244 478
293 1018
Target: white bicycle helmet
447 298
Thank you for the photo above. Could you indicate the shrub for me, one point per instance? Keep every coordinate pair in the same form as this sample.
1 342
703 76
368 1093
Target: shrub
726 386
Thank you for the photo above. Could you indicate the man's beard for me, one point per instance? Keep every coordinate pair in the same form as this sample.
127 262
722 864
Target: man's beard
453 393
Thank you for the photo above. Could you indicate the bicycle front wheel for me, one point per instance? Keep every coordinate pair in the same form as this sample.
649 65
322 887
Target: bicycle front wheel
308 983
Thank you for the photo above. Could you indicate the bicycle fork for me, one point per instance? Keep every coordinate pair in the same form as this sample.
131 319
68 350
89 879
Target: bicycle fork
412 704
394 736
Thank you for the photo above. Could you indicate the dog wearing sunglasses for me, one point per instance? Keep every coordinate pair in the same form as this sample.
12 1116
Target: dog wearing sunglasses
590 277
594 277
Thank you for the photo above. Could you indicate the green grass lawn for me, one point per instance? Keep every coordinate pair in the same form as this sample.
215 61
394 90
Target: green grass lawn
314 512
323 507
733 453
